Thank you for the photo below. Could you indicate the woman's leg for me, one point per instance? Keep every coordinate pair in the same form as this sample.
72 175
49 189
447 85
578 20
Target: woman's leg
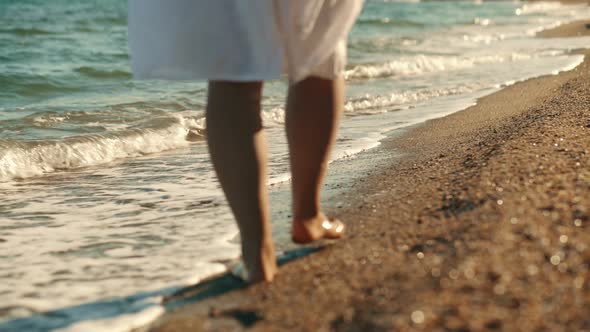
238 150
314 107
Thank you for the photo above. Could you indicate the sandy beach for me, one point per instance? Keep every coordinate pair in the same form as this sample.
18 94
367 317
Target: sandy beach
480 225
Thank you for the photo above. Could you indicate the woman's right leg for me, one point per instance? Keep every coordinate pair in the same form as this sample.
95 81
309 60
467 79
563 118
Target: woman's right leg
314 107
238 150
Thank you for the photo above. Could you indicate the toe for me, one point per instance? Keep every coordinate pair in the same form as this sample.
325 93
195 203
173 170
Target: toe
333 228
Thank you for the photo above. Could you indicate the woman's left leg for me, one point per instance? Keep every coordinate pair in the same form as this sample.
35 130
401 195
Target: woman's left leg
238 150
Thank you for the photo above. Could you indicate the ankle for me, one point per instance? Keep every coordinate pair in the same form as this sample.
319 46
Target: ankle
260 262
307 216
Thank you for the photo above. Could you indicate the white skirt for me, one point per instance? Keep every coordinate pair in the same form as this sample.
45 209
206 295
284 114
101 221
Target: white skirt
239 40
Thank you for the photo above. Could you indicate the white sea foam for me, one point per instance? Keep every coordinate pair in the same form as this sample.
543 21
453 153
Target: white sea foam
371 104
539 7
421 64
275 116
122 323
22 159
45 119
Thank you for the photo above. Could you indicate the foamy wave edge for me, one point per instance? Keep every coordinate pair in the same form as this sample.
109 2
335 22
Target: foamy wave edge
423 64
24 159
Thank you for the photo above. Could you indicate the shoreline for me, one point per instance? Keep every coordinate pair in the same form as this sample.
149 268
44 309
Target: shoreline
480 226
572 29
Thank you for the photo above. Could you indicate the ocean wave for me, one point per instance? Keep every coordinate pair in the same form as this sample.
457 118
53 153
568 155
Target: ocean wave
119 20
373 104
103 73
386 21
422 64
126 137
376 103
31 85
482 21
383 44
22 32
540 7
23 159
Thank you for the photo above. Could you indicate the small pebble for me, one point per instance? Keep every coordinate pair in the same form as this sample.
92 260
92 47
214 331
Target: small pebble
563 239
499 289
417 317
435 272
532 270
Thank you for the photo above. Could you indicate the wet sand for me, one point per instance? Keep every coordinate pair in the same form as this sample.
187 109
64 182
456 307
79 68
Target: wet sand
483 224
577 28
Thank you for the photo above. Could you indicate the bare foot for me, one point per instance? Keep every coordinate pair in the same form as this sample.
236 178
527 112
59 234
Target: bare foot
260 263
316 228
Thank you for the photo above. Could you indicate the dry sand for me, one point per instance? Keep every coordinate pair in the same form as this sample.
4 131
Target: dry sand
483 225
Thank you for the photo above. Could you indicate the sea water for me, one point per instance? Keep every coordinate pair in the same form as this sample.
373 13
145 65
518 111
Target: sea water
107 196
